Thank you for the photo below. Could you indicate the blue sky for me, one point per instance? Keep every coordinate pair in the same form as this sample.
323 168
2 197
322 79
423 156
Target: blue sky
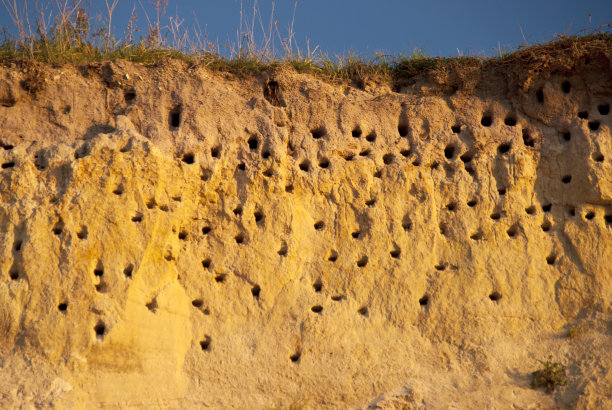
440 28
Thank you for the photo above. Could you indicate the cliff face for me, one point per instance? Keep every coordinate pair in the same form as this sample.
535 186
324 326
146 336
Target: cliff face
176 237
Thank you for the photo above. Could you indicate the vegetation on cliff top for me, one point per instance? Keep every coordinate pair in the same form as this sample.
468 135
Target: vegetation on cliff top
69 34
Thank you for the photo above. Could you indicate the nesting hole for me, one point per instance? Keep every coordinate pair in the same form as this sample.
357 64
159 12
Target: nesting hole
220 278
349 157
472 203
364 153
152 305
486 120
546 226
589 215
58 227
14 274
477 236
198 303
371 137
255 291
405 153
512 231
259 217
265 155
100 329
395 253
318 132
604 109
242 166
118 190
182 235
504 148
540 96
295 357
337 298
593 125
333 256
583 115
495 296
510 121
356 133
501 191
528 140
402 129
238 210
127 272
137 217
443 229
62 307
318 285
17 245
356 234
283 250
151 204
388 158
205 343
571 211
174 118
6 165
566 136
598 157
305 165
206 263
456 129
319 225
566 179
440 266
608 218
566 87
495 216
188 158
253 143
129 96
370 202
324 163
547 207
206 230
317 308
449 151
467 157
550 259
239 238
363 311
406 223
362 262
424 300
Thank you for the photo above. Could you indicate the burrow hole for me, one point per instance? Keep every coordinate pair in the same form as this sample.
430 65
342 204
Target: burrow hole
319 225
486 120
206 263
188 158
118 190
62 307
550 259
295 357
333 256
477 236
324 163
289 188
317 308
528 140
17 245
405 153
546 226
58 227
259 217
129 96
604 109
364 153
566 86
215 152
356 234
371 137
593 125
151 204
510 121
283 249
547 207
472 203
127 272
571 211
583 115
100 329
440 266
238 210
82 233
371 202
589 215
456 129
566 179
266 154
566 136
6 165
608 219
451 206
363 311
449 151
318 285
305 165
540 96
253 143
337 298
174 117
242 166
319 132
255 291
152 305
388 158
362 262
356 133
406 223
137 218
206 230
182 235
239 238
424 300
403 130
512 231
530 210
504 148
495 296
220 278
14 273
598 157
443 229
205 343
495 216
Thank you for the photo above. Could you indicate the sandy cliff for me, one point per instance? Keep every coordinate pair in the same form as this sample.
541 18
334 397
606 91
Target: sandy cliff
176 237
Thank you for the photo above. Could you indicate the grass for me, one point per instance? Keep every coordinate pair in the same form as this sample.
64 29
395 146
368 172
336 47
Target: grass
550 377
65 32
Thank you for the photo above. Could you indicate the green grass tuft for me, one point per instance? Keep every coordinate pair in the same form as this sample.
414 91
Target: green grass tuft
551 376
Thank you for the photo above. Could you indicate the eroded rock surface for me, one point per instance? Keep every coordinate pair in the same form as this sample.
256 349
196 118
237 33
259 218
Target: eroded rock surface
174 237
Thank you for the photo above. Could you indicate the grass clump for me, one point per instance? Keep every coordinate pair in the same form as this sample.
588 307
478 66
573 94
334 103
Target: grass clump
550 377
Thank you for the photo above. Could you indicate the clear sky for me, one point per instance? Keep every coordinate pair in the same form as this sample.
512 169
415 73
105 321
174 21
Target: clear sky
440 28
